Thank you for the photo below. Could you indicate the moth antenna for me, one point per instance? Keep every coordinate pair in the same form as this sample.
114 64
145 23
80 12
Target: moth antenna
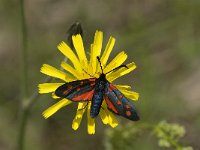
88 73
100 63
117 68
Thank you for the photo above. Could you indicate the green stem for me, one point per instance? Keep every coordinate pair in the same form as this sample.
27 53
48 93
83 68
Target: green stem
24 45
24 92
23 119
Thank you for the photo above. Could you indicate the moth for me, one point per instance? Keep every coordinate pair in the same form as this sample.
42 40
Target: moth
96 90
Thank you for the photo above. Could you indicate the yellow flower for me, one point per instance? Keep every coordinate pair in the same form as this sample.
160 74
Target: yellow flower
74 71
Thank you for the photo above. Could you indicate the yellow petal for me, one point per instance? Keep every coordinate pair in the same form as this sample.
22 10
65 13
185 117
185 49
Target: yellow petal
79 115
95 50
91 123
81 108
68 68
53 72
108 50
122 71
54 96
98 38
130 94
53 109
76 123
117 61
66 50
48 87
104 116
110 118
123 87
93 62
78 44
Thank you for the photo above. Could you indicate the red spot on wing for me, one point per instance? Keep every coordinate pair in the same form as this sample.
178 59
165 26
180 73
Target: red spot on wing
85 96
65 92
110 105
92 83
128 113
112 87
120 96
109 90
81 83
92 79
119 102
78 89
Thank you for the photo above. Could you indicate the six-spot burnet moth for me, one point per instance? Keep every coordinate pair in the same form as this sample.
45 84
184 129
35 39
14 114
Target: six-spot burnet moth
96 90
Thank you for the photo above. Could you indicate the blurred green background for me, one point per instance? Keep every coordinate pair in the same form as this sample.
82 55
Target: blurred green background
161 37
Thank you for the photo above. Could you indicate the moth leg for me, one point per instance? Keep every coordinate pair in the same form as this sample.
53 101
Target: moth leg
83 107
102 108
88 73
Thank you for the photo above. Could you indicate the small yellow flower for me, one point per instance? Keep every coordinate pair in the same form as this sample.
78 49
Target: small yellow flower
75 71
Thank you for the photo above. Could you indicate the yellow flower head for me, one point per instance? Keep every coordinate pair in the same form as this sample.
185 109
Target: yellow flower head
80 69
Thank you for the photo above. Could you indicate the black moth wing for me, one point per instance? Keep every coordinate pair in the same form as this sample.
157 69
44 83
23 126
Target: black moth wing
119 104
79 90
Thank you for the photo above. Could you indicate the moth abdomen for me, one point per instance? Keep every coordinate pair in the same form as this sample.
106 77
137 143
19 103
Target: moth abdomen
96 104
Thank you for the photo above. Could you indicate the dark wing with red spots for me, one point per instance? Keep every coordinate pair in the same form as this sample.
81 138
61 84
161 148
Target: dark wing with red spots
119 104
79 90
